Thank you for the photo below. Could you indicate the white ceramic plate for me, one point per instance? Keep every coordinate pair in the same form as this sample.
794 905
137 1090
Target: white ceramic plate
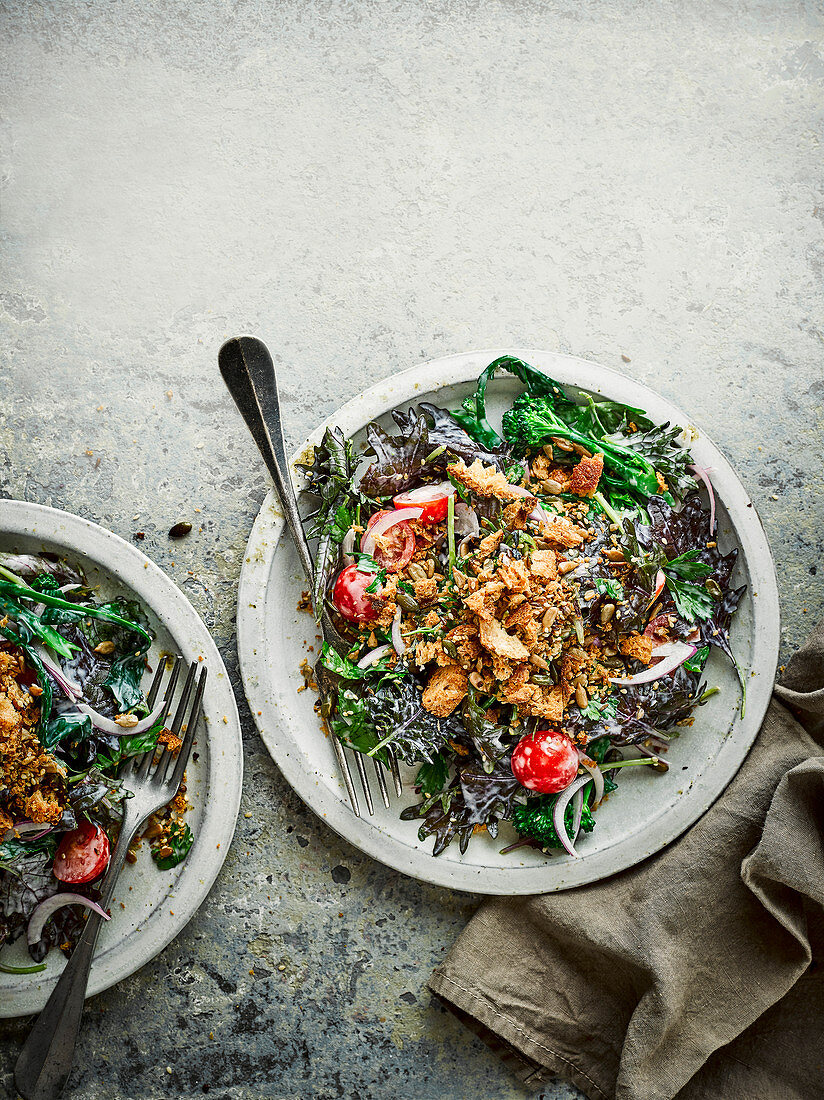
649 810
156 905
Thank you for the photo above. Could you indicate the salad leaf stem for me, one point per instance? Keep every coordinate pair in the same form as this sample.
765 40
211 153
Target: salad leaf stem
23 591
450 530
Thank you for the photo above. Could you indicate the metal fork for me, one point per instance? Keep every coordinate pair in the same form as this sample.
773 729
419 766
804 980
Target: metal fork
249 374
45 1061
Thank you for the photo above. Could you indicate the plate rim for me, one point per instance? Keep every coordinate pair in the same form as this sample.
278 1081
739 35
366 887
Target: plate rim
131 567
368 837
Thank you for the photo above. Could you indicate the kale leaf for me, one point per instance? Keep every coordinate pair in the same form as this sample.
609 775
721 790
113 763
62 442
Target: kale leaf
330 477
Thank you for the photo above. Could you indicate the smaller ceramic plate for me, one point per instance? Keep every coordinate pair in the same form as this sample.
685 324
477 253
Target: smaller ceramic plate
150 906
649 810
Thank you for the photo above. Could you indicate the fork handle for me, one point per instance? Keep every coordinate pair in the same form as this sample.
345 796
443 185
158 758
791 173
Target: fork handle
249 374
45 1062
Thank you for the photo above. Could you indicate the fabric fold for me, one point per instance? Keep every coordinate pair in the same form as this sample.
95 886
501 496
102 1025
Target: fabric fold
652 984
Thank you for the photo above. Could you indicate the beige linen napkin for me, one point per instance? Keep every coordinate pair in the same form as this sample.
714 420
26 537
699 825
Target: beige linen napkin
697 974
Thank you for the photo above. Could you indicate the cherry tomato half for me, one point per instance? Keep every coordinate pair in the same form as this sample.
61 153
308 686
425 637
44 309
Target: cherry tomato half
434 499
351 598
82 855
398 544
545 761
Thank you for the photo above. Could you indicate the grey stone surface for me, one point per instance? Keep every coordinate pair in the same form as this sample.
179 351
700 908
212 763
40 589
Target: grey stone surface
367 185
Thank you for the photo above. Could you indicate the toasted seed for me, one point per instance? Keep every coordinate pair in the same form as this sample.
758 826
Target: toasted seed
548 452
581 678
561 444
35 689
105 647
582 451
607 611
552 486
127 721
567 566
416 571
539 662
476 680
550 615
180 530
614 555
581 697
165 852
430 567
590 595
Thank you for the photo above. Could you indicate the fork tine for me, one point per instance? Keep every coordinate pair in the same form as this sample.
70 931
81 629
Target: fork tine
379 772
191 729
158 680
346 772
367 794
144 763
396 773
177 724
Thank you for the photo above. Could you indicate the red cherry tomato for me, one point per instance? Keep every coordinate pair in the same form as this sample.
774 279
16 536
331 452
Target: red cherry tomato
399 544
351 598
545 761
434 499
82 855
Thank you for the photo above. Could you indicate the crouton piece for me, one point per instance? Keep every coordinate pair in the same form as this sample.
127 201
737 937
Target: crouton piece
514 574
537 701
517 512
426 589
502 669
489 545
544 564
484 481
519 616
465 639
562 532
427 649
586 475
482 602
637 646
495 639
446 688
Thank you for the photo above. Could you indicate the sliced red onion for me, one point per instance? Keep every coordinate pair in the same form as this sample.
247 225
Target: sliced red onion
678 652
37 921
564 798
73 690
702 473
386 523
660 581
373 655
347 546
108 725
397 639
595 772
467 524
425 494
31 830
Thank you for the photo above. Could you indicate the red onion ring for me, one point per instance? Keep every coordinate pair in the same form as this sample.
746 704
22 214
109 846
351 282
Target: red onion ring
373 655
678 652
595 772
44 910
72 690
559 811
397 639
385 523
108 725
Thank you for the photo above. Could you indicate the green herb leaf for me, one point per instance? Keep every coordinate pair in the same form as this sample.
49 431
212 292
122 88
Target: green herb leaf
180 840
607 587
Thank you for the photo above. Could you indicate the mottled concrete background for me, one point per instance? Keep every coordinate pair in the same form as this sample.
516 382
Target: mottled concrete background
367 185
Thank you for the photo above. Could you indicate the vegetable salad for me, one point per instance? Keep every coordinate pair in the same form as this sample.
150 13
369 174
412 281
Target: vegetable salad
71 710
528 613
